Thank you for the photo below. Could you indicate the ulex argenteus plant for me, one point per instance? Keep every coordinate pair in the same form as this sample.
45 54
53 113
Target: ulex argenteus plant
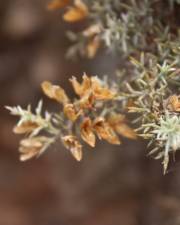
145 35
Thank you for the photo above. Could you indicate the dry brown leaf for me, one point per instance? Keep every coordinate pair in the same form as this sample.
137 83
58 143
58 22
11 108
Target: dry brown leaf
54 92
71 142
76 13
87 132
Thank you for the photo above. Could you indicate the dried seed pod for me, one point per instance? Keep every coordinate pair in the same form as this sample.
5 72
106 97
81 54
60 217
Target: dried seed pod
54 92
71 142
70 112
104 131
31 147
87 132
118 122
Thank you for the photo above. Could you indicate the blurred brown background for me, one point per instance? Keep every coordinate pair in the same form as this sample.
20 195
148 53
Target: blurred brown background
112 185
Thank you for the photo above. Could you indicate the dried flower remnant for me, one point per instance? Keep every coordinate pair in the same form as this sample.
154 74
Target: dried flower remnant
31 147
92 30
118 123
83 88
80 118
92 47
87 132
92 85
93 44
70 112
71 142
101 91
87 101
76 13
173 103
105 131
54 92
